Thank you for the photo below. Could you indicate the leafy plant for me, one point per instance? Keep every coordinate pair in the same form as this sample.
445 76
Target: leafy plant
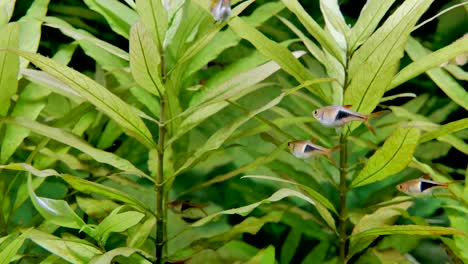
172 105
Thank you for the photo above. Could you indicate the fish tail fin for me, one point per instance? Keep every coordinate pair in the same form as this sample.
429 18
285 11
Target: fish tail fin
371 115
371 128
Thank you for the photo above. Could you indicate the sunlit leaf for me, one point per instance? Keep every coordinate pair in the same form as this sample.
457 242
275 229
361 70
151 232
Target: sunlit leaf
116 222
145 61
244 210
446 129
373 65
55 211
423 63
368 20
446 83
98 95
9 252
322 37
409 230
6 11
391 158
119 16
155 19
121 251
9 65
264 256
76 142
138 237
74 251
335 23
384 216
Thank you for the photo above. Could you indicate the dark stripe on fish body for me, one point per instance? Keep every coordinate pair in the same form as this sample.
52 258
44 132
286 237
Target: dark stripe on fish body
342 114
427 185
309 148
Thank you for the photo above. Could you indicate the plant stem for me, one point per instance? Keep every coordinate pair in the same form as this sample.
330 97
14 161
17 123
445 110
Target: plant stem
343 191
160 208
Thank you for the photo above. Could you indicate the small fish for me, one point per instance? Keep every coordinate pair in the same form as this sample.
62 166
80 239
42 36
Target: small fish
338 116
221 10
304 149
420 186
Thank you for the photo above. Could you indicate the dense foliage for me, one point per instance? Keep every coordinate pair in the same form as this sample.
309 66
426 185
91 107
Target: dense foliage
147 132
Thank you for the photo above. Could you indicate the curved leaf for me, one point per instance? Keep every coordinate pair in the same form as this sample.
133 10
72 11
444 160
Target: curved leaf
116 222
56 211
121 251
9 65
445 130
76 142
96 94
424 63
244 210
409 230
395 154
145 60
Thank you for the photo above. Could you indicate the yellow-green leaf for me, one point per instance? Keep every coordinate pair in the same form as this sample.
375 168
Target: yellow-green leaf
9 65
395 154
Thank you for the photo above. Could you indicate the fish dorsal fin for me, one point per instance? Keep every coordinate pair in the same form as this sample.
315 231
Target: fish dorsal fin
309 148
347 106
313 140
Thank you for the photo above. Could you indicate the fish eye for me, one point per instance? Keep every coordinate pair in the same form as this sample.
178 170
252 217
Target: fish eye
315 112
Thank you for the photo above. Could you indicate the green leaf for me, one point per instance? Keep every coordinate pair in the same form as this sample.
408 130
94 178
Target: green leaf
82 35
368 20
145 60
395 154
30 28
311 192
446 83
71 250
116 222
244 210
76 142
6 11
335 24
291 243
9 65
55 211
271 49
138 237
121 251
458 220
384 216
264 256
409 230
372 66
154 18
92 187
250 225
423 63
31 101
119 16
96 94
96 208
446 129
9 252
317 254
322 37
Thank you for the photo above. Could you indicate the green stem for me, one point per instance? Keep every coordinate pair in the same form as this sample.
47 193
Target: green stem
343 191
160 208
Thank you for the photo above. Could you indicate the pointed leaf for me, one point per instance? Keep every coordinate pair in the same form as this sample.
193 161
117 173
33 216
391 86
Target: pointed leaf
74 251
445 130
409 230
368 20
107 257
429 61
322 37
244 210
96 94
264 256
335 24
145 60
76 142
56 211
155 19
117 222
395 154
9 252
9 65
119 16
372 66
271 49
383 216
